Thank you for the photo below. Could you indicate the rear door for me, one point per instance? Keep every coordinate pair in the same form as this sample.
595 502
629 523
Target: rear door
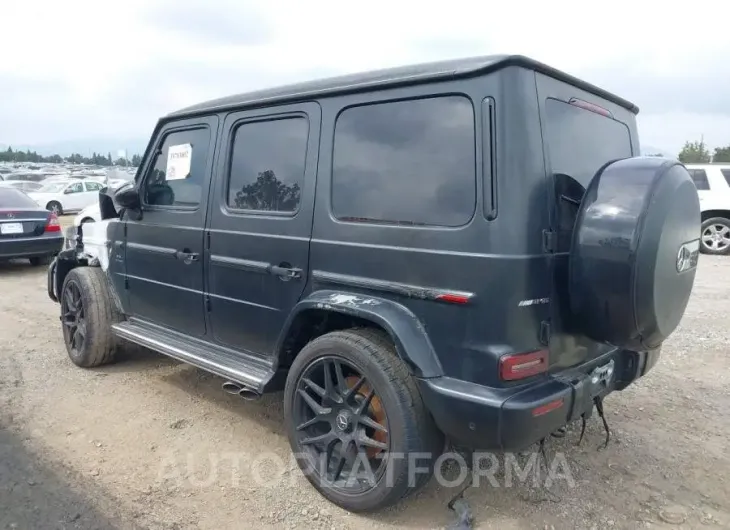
260 223
581 132
164 249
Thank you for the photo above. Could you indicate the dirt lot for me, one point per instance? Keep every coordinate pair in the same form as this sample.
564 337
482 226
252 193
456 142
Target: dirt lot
151 443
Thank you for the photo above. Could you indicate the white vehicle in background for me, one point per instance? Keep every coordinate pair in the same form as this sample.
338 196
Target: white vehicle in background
67 196
713 187
92 213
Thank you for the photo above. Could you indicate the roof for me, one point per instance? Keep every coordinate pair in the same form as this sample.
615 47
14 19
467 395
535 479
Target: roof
392 77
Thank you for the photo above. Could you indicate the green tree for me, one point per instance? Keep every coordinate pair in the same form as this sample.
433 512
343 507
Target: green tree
695 153
722 154
268 193
136 160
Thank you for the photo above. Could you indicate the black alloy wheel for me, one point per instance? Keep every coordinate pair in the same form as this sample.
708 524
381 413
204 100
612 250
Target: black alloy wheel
341 425
73 318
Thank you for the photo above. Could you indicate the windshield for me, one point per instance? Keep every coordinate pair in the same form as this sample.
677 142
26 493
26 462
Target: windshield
52 187
580 141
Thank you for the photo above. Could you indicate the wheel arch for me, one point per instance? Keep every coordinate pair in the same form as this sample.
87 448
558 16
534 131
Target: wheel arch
709 214
329 310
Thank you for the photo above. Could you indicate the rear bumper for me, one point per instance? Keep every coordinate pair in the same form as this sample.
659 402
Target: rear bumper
512 419
29 247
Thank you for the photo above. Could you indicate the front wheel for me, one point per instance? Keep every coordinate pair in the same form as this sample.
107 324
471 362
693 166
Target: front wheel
356 421
716 236
87 316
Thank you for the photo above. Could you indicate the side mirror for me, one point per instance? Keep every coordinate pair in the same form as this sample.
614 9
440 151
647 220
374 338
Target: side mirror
127 197
67 191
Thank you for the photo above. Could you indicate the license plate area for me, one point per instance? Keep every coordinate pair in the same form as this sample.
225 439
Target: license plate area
597 382
11 228
601 377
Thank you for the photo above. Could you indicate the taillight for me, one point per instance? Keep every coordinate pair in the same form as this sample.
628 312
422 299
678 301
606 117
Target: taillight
521 365
52 225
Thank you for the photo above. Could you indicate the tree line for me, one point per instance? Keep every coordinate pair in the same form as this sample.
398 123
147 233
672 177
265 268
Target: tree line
699 153
96 159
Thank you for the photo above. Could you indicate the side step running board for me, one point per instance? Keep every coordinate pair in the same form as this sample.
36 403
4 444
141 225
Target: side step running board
246 370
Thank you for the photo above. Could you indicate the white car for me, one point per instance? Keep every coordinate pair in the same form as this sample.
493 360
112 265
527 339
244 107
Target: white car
67 196
713 187
92 213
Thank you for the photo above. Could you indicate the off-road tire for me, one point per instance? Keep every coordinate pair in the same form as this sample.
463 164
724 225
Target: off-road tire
721 221
59 208
412 429
100 313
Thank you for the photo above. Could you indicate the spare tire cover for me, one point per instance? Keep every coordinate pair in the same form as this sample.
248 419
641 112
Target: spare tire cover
634 252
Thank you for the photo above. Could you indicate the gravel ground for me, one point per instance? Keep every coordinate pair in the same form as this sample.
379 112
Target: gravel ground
151 443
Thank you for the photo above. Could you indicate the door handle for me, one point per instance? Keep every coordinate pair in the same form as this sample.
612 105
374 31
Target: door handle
285 273
186 256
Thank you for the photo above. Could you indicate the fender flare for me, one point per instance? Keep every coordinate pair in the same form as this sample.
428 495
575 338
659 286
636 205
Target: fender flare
408 333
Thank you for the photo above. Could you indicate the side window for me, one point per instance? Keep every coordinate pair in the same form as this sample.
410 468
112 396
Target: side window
267 165
699 176
726 174
93 186
178 174
76 187
406 162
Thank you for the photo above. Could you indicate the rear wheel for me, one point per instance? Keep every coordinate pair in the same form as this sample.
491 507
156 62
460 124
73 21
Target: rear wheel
87 315
55 207
354 415
716 236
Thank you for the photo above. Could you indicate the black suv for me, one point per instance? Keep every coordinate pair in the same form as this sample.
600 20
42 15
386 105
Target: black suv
467 249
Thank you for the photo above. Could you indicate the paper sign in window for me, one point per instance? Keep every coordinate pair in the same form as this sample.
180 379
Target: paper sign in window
178 161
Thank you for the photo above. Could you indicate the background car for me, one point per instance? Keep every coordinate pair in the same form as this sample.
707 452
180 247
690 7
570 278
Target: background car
26 230
713 187
92 213
67 196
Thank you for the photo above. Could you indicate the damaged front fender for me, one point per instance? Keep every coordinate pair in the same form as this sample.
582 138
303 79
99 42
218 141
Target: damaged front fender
88 245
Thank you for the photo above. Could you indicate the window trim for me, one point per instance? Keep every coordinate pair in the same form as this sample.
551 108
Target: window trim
725 172
402 224
706 180
157 151
231 141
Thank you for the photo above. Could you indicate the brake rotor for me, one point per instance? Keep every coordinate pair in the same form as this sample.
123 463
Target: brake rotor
375 411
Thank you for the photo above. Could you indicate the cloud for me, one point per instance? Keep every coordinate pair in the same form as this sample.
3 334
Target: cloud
227 22
83 68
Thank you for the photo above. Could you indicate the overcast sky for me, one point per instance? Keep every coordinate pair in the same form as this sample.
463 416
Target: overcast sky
80 69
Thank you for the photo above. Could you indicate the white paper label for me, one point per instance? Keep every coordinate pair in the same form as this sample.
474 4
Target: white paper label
178 161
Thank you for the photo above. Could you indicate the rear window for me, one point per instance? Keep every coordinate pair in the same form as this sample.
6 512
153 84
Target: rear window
580 141
699 177
12 198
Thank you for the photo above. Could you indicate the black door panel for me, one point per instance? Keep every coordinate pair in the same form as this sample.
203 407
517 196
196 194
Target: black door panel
260 223
164 270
